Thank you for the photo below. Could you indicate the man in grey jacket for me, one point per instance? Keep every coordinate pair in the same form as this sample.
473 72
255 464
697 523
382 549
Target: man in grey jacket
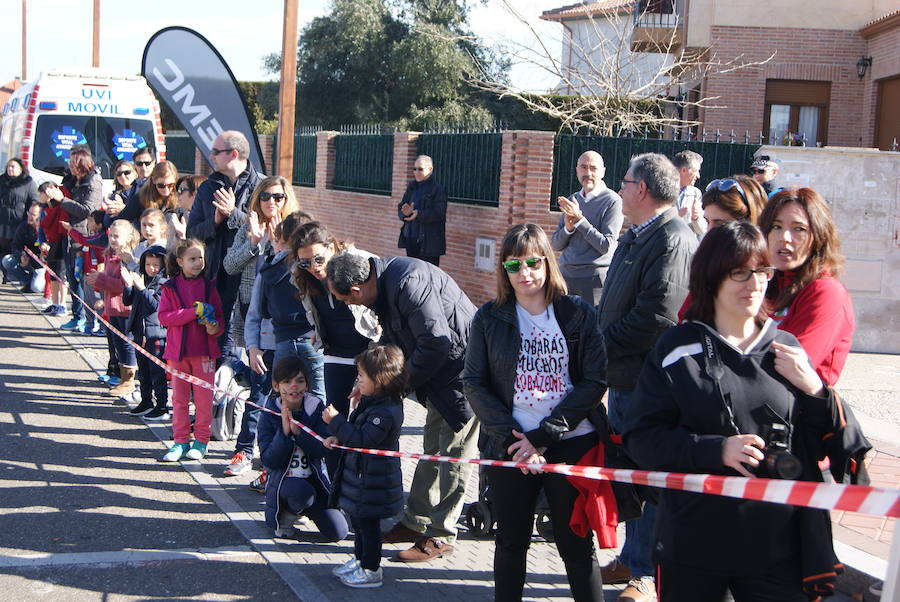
588 228
646 284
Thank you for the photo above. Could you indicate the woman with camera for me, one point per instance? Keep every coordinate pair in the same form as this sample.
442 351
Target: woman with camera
728 393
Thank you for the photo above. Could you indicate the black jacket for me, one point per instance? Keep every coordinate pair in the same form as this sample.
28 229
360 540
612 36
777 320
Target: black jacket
86 197
26 236
366 485
143 321
279 301
424 312
16 194
677 421
202 220
491 360
431 219
645 287
276 449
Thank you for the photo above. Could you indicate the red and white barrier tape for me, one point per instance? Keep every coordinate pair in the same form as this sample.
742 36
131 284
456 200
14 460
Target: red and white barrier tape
877 501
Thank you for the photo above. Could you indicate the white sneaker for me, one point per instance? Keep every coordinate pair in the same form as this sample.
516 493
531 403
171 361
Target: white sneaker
346 568
285 528
362 578
643 588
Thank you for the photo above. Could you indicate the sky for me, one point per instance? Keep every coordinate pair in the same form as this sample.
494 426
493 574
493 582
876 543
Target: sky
59 32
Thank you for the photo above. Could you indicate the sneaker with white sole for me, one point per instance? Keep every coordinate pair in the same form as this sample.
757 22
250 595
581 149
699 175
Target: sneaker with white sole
145 407
157 414
643 589
197 451
176 452
362 578
346 568
259 483
239 464
285 528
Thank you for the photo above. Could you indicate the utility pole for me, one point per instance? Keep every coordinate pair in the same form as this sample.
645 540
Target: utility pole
287 91
24 45
95 61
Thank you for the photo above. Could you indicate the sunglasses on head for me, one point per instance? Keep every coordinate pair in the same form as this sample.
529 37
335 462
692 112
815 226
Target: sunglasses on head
275 196
514 265
144 163
124 172
726 184
306 263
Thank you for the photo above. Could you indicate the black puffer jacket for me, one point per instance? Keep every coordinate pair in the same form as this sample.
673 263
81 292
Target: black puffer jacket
143 320
279 302
424 312
490 374
678 422
15 195
431 218
366 485
645 286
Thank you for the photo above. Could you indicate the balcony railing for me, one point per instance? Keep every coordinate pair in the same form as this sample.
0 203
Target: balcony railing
658 26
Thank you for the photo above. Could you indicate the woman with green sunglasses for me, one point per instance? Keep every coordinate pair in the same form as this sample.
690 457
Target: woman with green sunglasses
535 369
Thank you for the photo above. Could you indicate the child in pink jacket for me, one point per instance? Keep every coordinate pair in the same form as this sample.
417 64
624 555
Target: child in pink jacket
191 345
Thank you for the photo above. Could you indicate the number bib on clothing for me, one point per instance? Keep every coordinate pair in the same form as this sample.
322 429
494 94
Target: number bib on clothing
299 466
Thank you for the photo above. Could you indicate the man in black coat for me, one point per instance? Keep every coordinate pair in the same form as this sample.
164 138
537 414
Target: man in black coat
220 208
425 313
423 211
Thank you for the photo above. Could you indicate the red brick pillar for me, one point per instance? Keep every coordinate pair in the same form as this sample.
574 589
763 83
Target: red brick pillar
405 154
266 141
201 165
325 159
526 172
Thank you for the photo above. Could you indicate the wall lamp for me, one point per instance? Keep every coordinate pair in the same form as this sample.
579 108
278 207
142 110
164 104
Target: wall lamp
862 64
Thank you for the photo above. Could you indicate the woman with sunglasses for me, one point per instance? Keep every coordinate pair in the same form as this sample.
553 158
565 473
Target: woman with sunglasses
271 201
805 297
739 197
723 393
342 331
186 191
535 369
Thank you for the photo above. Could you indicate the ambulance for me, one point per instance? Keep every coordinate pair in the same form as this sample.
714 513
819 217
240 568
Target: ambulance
115 115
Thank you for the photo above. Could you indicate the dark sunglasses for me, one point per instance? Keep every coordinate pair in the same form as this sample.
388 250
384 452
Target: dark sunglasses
744 274
275 196
726 184
163 185
216 151
183 190
305 263
755 170
418 169
144 163
514 265
124 172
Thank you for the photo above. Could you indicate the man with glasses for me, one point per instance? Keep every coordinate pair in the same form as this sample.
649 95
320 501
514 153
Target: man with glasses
689 206
423 211
646 284
128 205
764 170
219 209
588 228
425 313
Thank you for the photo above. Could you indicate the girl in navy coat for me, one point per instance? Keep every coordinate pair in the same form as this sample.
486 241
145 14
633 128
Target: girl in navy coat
369 487
298 482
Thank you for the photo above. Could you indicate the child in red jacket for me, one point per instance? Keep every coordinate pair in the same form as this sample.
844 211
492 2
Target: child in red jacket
54 245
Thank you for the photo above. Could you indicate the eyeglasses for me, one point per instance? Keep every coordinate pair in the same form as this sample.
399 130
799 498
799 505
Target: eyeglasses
183 190
164 185
758 170
626 181
514 265
725 185
216 151
143 163
418 169
124 172
278 197
744 274
305 263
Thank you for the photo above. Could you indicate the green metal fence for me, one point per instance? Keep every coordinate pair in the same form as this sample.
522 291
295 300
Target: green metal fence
466 164
720 159
305 159
180 151
363 162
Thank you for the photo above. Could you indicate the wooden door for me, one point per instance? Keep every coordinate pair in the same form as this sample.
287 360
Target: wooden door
887 120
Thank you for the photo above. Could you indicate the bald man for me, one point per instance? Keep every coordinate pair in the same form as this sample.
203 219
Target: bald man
588 230
423 212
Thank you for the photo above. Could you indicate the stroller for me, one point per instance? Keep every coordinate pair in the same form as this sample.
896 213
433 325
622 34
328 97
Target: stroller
480 518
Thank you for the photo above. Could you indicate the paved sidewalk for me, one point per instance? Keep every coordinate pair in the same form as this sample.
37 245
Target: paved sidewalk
90 483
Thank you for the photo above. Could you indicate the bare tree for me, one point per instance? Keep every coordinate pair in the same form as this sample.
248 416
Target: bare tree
604 86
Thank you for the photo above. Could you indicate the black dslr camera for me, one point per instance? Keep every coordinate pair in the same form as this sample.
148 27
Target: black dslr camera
779 462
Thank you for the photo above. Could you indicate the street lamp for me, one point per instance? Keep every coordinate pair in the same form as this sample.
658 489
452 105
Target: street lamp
862 64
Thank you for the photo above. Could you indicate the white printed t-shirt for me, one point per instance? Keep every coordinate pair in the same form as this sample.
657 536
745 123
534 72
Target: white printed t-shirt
542 372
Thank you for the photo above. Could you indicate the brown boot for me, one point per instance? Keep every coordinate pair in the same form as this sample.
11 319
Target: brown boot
126 387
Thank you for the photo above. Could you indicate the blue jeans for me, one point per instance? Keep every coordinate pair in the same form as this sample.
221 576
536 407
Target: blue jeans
124 350
637 553
315 362
260 386
34 278
75 286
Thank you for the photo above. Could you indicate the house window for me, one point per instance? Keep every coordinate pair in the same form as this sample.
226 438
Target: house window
796 110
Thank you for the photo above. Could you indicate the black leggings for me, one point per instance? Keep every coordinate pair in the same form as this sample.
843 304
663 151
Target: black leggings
514 496
367 541
678 583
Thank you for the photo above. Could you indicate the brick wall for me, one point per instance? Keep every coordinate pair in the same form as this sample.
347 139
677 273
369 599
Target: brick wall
370 220
801 54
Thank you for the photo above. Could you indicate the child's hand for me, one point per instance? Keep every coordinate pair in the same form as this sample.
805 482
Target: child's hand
179 224
127 278
138 280
330 442
212 329
126 257
354 397
45 248
329 413
91 279
65 226
287 426
98 304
